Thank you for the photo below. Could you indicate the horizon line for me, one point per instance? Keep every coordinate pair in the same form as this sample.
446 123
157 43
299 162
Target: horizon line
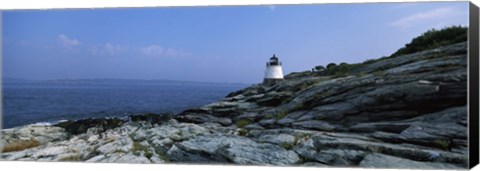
138 79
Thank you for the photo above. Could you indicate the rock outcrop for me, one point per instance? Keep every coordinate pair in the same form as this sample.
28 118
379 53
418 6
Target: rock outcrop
401 112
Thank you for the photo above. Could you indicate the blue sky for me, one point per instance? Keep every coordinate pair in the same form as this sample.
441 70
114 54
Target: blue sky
211 44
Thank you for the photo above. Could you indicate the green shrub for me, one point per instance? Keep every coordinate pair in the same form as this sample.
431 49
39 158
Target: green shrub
162 154
281 115
148 154
242 132
378 73
331 65
287 146
320 68
340 74
341 70
428 40
139 147
269 116
434 38
443 144
242 123
369 61
361 74
300 106
304 86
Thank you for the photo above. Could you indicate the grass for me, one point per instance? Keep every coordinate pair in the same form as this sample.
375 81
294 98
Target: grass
387 66
304 86
243 132
20 145
340 74
139 147
162 154
281 115
269 116
299 107
378 73
370 61
242 123
287 146
443 144
361 74
148 154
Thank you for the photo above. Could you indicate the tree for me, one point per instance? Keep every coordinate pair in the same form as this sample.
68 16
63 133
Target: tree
320 68
331 66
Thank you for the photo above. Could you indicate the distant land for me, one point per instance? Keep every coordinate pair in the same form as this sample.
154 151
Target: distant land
109 81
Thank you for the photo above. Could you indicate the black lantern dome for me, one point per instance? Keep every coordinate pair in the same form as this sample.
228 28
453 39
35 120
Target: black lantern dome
274 61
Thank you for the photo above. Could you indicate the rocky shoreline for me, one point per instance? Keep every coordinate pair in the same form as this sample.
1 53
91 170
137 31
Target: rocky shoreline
401 112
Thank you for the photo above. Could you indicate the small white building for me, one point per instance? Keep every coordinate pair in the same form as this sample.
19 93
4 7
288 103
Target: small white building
273 73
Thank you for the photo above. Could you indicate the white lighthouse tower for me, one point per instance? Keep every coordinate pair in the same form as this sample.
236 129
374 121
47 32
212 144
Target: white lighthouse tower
273 73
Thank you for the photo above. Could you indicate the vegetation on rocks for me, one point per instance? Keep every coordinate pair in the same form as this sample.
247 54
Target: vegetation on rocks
434 39
429 40
242 123
443 144
281 115
287 146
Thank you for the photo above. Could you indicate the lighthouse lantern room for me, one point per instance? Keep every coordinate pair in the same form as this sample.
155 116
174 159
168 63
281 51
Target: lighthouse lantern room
273 73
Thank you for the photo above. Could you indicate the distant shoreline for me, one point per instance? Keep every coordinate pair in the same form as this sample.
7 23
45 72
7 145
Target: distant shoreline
34 102
102 80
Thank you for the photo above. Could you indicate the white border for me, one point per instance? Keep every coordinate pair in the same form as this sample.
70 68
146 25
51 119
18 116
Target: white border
63 4
72 166
78 4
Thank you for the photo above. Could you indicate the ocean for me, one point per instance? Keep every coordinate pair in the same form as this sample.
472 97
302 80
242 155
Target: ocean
28 102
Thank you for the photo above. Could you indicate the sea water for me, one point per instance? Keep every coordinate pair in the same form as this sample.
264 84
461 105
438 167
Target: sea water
28 102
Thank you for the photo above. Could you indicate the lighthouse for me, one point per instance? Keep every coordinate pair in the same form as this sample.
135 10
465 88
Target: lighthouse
273 73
